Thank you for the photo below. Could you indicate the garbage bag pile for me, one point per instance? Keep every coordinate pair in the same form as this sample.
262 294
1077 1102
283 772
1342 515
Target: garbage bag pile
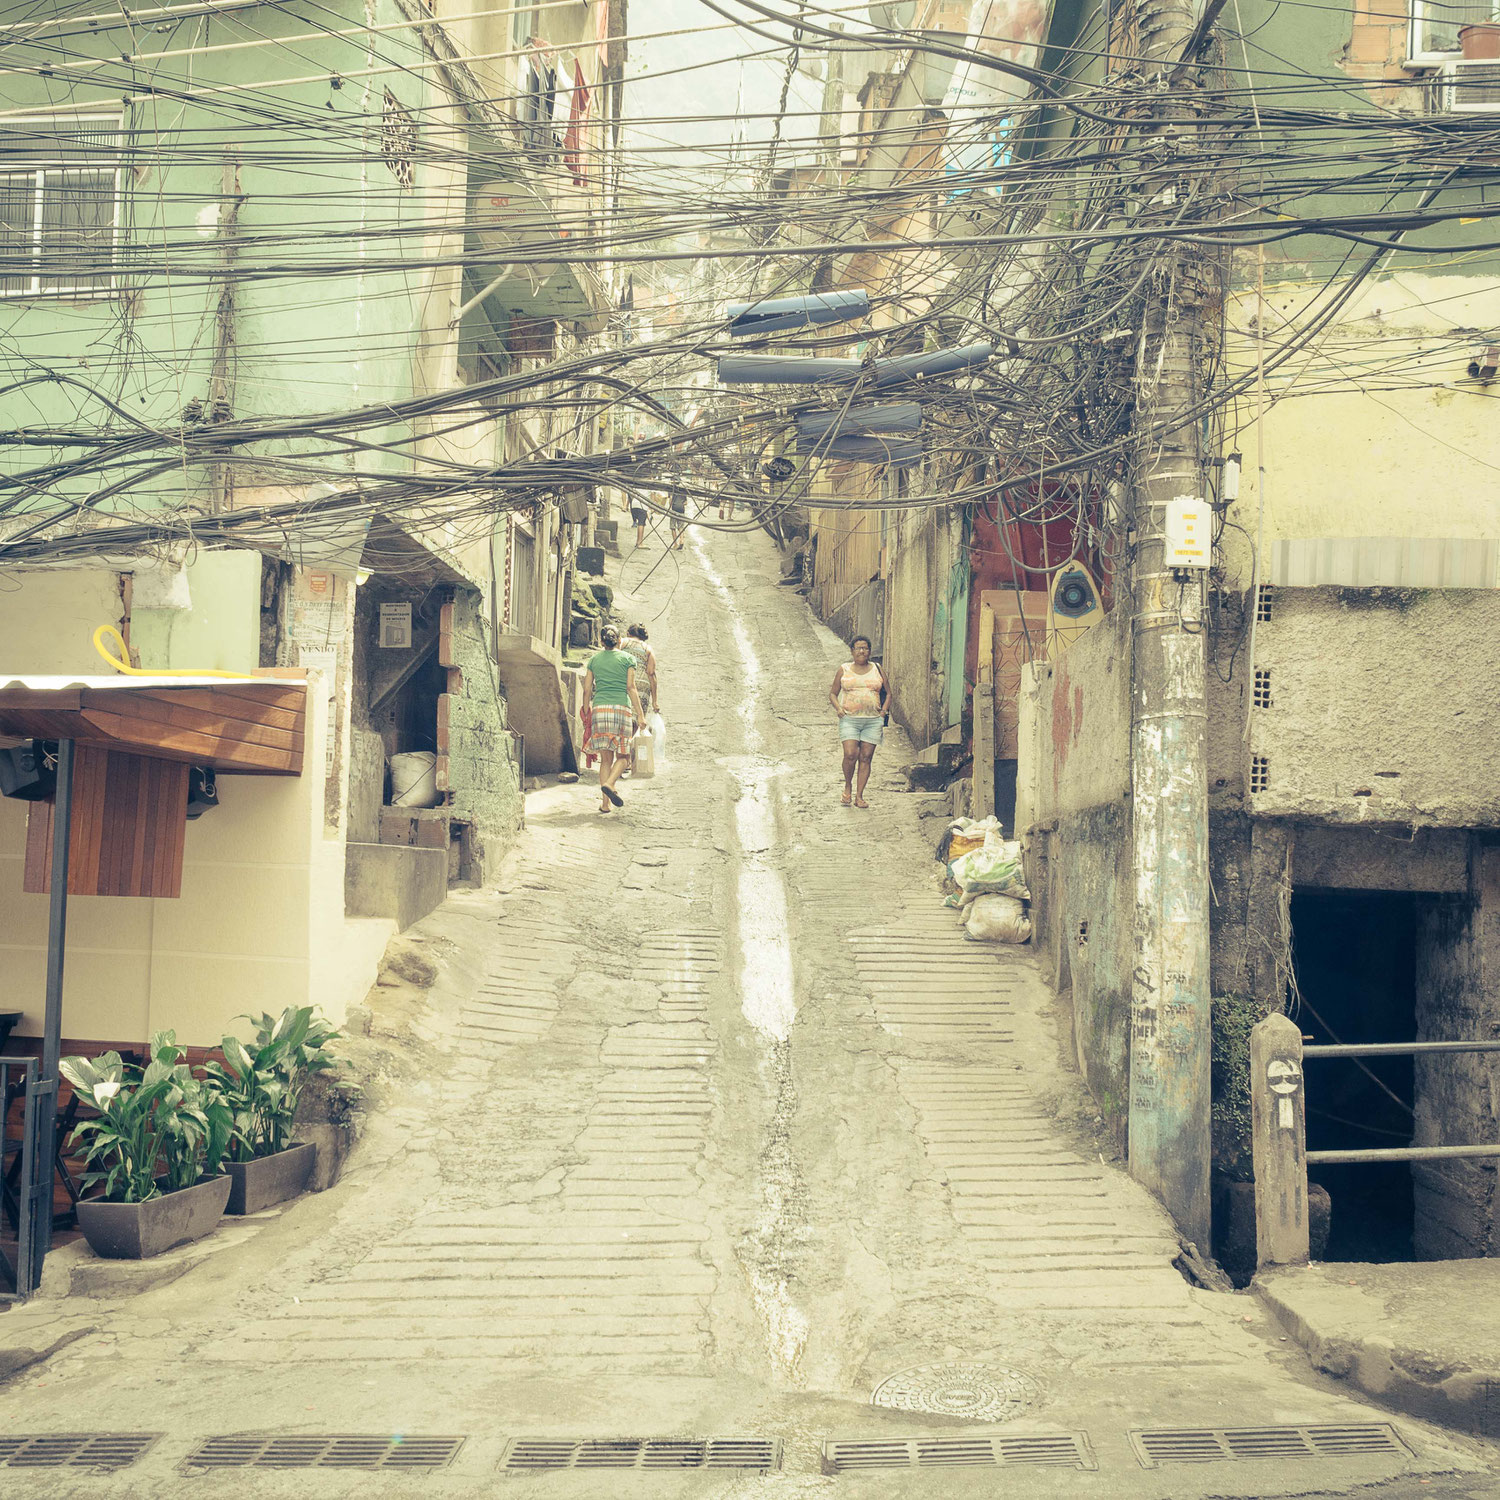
986 881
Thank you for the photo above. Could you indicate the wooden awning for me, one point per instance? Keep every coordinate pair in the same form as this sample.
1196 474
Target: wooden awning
255 726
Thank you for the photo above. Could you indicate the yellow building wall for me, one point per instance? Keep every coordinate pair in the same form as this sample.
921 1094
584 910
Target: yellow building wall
260 923
1378 431
48 618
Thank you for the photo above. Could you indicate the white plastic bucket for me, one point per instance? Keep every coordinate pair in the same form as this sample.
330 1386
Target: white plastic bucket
414 779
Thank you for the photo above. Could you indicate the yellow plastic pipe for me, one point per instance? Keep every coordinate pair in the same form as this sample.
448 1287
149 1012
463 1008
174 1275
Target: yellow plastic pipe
121 663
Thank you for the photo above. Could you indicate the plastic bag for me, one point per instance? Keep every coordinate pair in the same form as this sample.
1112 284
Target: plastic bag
658 727
642 757
998 919
994 870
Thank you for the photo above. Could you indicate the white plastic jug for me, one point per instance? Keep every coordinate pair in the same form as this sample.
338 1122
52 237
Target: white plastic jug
642 756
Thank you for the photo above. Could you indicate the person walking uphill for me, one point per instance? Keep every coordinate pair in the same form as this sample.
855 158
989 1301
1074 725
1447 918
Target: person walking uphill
633 644
610 690
861 697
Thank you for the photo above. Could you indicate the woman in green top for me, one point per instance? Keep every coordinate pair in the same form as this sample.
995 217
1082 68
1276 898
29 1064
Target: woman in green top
609 686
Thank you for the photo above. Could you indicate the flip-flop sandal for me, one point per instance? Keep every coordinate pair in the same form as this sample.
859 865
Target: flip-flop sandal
844 801
614 796
860 802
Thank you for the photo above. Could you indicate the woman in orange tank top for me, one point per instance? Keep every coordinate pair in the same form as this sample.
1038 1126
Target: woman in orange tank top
861 697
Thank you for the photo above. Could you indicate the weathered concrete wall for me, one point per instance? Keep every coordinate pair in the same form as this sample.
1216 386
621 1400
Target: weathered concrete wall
908 630
863 613
1073 807
1385 708
1458 1095
220 631
483 779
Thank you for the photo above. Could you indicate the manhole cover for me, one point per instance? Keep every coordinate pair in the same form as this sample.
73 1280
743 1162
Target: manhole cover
966 1388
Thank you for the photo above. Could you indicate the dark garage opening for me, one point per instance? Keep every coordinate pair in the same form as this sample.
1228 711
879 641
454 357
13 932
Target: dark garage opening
1355 956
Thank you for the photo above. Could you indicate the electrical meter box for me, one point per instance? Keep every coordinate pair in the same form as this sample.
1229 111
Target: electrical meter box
1189 532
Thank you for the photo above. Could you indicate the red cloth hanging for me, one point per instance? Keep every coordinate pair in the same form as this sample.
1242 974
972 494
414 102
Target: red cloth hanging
573 135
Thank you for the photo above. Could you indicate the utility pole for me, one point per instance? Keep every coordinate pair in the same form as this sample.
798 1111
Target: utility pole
1170 1105
220 405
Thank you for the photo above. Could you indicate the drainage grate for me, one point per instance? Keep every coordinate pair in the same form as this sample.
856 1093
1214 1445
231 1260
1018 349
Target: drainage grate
1188 1445
1062 1450
75 1450
536 1455
316 1451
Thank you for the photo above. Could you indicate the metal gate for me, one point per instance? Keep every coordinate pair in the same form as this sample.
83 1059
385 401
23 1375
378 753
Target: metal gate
25 1184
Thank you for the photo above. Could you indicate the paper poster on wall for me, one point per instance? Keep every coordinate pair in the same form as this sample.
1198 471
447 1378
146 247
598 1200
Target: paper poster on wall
317 608
326 660
395 625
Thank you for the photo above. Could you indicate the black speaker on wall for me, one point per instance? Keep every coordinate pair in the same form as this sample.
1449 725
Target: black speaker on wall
27 772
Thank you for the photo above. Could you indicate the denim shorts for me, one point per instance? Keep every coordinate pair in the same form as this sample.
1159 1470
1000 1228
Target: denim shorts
866 729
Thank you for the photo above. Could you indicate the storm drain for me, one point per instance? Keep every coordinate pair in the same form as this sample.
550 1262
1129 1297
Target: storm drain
75 1450
1062 1450
537 1455
959 1388
304 1451
1189 1445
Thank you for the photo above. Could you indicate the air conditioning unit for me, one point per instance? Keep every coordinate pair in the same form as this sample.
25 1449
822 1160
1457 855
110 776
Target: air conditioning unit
1468 87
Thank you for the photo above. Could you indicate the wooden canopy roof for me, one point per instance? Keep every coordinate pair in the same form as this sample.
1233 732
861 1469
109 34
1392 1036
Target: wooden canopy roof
253 726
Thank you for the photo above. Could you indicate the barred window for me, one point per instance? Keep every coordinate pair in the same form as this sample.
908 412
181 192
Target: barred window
59 205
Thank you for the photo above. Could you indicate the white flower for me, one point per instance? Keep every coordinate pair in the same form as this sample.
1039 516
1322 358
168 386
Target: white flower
104 1092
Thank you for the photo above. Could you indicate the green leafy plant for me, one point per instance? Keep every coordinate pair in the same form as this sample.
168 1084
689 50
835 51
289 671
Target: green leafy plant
157 1125
262 1081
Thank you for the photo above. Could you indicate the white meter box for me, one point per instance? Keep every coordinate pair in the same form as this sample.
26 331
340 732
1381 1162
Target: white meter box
1189 532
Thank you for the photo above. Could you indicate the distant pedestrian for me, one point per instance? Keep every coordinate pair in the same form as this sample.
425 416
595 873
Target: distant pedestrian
678 505
610 690
634 645
861 696
638 515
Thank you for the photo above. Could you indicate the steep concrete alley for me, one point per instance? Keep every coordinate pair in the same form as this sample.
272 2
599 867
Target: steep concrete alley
710 1126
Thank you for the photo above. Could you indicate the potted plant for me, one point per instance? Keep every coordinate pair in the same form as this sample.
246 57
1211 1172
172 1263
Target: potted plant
156 1146
1479 41
262 1083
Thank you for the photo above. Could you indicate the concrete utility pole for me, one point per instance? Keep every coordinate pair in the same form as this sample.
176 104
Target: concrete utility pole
1169 1014
220 406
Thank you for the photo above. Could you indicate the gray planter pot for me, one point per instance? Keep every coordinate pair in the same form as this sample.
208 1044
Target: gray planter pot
269 1179
137 1231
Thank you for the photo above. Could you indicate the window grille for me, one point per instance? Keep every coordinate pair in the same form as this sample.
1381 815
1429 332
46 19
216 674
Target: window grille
1262 687
59 205
398 141
1435 25
1263 602
1260 774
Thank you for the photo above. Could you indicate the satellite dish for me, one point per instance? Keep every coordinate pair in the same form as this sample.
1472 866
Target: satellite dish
894 15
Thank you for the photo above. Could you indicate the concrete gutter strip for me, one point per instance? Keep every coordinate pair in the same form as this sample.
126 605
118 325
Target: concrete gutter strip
1421 1338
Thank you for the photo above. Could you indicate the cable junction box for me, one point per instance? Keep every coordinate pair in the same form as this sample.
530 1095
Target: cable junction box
1188 533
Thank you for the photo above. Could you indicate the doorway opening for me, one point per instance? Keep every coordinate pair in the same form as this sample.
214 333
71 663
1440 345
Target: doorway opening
1355 956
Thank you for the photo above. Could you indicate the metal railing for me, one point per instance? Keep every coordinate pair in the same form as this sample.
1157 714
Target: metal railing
1278 1105
1397 1153
25 1185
